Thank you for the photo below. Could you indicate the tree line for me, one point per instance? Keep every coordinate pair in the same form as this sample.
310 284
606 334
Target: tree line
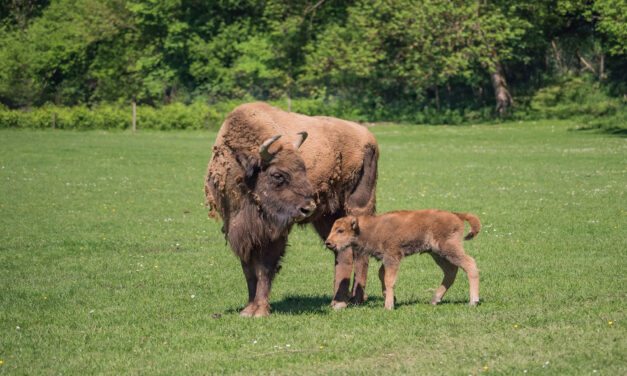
380 55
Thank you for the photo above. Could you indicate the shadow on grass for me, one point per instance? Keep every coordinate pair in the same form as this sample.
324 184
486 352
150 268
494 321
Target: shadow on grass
423 302
297 304
610 130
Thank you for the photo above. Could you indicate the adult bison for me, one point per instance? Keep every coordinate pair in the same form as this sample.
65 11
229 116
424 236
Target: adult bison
263 177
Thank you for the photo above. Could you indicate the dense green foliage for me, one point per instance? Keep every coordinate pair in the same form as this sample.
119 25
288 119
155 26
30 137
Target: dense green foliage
405 60
109 264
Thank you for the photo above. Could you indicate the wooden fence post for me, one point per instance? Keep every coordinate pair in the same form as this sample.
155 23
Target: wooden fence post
134 117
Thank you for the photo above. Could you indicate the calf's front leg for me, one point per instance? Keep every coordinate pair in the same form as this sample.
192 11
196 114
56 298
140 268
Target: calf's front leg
390 271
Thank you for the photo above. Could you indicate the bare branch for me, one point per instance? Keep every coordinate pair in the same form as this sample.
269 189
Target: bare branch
313 7
586 64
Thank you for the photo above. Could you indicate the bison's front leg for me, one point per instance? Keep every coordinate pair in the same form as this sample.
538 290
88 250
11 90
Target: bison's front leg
266 266
251 282
345 262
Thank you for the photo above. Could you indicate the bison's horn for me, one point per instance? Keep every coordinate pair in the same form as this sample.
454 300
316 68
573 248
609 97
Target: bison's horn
263 149
303 137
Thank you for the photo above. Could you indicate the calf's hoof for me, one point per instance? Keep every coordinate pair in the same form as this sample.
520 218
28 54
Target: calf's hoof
435 302
358 299
338 305
474 302
389 307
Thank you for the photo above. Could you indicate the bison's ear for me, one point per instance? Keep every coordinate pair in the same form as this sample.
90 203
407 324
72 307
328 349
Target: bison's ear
249 163
355 225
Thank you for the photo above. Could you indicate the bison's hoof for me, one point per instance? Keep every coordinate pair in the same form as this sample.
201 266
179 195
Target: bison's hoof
338 305
248 311
262 311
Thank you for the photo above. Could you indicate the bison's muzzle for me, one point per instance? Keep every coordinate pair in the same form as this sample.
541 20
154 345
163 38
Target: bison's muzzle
305 211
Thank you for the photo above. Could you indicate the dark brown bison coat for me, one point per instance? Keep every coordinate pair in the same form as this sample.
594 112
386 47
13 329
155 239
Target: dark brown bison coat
340 159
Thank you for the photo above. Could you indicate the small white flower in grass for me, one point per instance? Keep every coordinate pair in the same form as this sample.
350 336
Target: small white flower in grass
287 345
17 327
92 311
254 342
192 296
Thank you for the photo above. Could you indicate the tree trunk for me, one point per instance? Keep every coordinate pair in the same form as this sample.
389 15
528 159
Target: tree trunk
503 97
288 88
558 58
437 98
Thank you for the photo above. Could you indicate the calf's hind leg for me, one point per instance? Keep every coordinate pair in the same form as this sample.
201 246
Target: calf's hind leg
455 255
382 279
450 271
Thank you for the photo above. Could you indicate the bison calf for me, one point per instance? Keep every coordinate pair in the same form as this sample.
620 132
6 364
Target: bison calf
391 236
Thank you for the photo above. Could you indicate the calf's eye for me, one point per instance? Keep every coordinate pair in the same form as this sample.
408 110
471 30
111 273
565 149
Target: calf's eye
340 231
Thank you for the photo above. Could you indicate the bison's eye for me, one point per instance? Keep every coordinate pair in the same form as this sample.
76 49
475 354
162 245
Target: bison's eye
277 178
340 231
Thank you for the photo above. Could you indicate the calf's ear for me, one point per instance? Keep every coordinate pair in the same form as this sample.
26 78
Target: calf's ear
355 224
250 164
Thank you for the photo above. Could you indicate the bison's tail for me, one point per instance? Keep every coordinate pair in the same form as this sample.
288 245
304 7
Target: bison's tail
210 200
474 223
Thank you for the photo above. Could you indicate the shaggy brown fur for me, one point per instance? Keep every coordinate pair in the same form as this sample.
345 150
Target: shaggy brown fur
391 236
336 167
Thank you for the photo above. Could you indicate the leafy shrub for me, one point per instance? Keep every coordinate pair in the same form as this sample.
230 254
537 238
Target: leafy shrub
115 116
573 97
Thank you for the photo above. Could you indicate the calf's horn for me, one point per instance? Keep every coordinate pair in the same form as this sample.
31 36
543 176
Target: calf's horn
263 149
303 137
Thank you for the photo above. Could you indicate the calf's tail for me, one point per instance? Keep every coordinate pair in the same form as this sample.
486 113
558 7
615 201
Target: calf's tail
474 223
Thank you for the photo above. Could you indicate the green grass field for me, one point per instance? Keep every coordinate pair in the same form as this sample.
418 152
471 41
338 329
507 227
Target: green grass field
109 264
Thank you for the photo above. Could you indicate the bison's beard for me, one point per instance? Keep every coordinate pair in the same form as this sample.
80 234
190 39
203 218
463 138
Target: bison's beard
253 228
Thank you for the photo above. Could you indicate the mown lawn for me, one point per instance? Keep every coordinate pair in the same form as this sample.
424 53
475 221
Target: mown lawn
109 264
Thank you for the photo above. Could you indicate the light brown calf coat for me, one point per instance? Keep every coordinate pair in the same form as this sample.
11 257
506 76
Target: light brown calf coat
391 236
